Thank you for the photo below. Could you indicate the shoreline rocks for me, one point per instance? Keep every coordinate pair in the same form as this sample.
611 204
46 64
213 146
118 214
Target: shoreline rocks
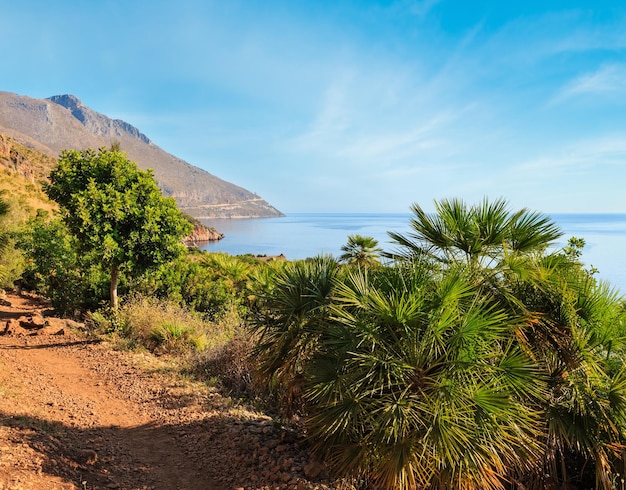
202 234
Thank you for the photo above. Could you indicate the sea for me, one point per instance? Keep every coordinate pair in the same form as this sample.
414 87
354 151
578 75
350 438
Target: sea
302 235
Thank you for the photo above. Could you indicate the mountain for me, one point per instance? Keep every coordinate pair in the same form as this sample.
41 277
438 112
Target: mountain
64 122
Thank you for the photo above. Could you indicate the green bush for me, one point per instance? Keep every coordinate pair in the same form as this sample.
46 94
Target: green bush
71 281
11 219
172 336
478 358
211 283
12 265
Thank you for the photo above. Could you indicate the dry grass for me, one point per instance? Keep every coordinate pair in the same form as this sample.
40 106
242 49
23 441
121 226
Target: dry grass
163 326
230 366
22 170
214 352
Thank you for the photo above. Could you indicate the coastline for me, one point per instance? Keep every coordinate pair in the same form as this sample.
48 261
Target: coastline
302 235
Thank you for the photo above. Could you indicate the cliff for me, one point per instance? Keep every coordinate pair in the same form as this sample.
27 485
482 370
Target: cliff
201 234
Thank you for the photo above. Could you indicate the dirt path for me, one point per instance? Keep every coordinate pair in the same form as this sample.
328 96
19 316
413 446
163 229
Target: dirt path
76 414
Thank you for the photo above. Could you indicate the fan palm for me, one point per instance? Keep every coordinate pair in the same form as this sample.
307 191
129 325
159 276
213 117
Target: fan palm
360 250
406 376
415 384
234 269
478 235
575 332
289 319
570 323
478 360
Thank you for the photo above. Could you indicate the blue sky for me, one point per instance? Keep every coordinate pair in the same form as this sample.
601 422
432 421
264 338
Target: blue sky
351 106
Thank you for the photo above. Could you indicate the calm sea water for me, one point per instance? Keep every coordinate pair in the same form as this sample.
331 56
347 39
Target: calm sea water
303 235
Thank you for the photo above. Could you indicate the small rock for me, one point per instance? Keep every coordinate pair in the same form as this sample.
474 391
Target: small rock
75 325
87 456
313 469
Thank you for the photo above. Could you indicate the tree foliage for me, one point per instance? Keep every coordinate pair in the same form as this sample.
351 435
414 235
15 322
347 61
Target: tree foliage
116 212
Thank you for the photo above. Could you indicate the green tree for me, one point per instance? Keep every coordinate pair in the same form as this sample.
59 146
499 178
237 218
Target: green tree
116 212
360 250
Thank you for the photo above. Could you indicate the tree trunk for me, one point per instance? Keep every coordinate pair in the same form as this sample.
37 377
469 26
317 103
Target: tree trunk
113 289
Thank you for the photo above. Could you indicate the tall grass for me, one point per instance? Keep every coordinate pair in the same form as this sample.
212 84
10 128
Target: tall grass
163 326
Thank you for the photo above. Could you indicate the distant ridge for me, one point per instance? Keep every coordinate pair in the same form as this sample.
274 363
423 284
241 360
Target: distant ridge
64 122
95 122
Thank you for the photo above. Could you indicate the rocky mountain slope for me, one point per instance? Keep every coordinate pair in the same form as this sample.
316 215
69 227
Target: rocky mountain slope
64 122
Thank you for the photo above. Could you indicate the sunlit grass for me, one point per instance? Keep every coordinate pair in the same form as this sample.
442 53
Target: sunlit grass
163 326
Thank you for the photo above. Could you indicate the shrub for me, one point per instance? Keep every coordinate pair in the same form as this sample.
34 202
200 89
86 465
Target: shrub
291 317
53 268
478 359
169 336
213 284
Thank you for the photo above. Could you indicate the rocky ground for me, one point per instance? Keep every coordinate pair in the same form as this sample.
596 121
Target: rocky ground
77 414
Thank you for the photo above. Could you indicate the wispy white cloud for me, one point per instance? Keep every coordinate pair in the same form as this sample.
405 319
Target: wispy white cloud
608 80
333 117
403 100
579 32
381 114
529 40
592 156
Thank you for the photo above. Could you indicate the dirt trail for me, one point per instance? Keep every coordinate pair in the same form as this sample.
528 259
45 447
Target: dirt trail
75 414
52 382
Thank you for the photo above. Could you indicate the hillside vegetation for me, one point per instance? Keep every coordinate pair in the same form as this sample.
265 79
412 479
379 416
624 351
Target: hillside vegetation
22 171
